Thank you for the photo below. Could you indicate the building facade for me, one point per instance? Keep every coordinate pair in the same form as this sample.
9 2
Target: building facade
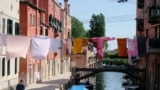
9 24
32 23
66 35
148 26
46 18
30 18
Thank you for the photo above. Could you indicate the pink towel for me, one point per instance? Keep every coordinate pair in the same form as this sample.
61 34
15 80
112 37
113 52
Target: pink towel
17 46
55 44
132 47
40 47
3 40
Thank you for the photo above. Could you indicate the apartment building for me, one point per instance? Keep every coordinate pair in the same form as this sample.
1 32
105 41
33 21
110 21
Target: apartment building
32 23
148 26
9 24
46 18
66 37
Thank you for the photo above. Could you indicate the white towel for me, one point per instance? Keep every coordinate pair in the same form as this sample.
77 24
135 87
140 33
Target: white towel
55 44
40 47
17 46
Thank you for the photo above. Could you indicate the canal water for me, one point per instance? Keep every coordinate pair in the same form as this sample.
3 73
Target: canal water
109 81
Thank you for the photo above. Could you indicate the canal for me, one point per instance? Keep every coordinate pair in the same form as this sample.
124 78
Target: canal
110 81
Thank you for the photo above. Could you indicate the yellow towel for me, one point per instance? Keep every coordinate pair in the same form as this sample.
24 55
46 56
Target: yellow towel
77 46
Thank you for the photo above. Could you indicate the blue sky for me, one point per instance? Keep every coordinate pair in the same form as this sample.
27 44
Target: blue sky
119 17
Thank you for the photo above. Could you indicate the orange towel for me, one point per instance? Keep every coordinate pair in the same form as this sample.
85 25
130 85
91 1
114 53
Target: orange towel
122 47
77 45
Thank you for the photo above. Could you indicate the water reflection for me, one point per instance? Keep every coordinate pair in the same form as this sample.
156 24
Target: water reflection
113 80
110 81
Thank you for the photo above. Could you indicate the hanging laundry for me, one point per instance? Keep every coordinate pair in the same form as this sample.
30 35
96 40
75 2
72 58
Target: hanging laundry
77 45
17 46
66 50
85 41
40 47
132 47
122 47
100 44
68 46
141 40
3 39
55 44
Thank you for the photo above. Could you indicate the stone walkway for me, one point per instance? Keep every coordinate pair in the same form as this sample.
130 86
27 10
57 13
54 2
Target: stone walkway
52 84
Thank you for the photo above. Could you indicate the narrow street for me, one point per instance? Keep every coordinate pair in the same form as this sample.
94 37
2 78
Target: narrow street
51 84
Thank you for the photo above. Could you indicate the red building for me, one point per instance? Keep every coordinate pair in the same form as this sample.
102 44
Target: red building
148 26
41 17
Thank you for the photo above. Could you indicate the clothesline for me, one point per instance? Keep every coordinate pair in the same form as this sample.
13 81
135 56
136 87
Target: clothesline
40 46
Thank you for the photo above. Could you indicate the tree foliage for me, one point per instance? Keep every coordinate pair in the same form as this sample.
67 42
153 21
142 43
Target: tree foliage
97 26
77 28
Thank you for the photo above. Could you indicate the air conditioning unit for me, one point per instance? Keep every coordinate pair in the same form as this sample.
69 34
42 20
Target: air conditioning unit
155 12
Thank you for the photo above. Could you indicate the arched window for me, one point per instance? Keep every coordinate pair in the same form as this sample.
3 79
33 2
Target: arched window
8 67
15 65
3 67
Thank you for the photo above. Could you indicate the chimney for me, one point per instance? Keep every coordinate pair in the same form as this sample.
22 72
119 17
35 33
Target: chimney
68 8
66 5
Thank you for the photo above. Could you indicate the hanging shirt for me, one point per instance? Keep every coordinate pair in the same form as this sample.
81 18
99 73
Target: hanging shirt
132 47
100 44
17 46
77 45
55 44
3 39
122 47
40 47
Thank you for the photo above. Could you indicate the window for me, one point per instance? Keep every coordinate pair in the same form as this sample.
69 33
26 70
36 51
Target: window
3 25
15 65
8 67
147 33
3 67
38 22
9 26
41 31
46 32
17 32
33 22
30 19
68 34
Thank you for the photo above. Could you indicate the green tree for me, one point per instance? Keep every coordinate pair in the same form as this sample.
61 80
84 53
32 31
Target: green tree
88 33
97 25
77 28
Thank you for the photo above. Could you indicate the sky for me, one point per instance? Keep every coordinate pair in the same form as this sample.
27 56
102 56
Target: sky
119 17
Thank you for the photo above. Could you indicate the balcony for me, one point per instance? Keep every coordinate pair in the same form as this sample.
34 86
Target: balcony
154 15
154 45
140 4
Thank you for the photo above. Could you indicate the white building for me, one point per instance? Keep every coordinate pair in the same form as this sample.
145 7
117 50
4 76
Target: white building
9 24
